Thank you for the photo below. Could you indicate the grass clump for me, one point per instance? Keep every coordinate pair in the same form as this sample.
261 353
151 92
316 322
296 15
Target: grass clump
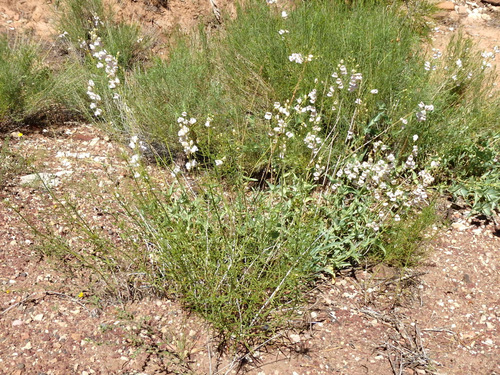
24 80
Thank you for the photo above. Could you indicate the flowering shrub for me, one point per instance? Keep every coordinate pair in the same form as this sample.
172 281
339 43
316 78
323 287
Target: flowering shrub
312 156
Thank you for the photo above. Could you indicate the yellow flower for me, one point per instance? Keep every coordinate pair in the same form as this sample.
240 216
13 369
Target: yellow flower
81 295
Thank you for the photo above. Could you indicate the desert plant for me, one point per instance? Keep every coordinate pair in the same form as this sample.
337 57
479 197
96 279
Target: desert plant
24 80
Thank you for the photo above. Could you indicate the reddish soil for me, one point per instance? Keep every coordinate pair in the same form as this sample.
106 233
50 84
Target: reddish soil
440 318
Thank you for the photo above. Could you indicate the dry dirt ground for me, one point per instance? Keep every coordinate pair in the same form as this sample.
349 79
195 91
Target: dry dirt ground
441 318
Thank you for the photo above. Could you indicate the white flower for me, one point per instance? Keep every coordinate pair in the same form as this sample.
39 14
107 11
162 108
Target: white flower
268 115
397 218
437 53
284 14
218 162
357 101
91 83
312 96
93 106
191 164
134 160
459 63
183 131
99 65
98 112
116 96
403 120
415 138
133 142
296 57
421 115
271 1
374 91
281 32
175 171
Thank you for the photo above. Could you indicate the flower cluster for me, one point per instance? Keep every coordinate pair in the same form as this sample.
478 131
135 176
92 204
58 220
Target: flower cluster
138 147
104 60
343 78
185 139
280 120
299 58
282 32
424 108
489 56
385 180
95 98
428 66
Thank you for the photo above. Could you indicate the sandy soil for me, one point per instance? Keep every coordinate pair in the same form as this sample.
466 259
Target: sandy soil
441 318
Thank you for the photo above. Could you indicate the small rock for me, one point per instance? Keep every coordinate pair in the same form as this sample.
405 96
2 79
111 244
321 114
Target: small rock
462 10
28 346
17 322
39 180
459 226
76 336
475 16
454 16
295 338
16 134
488 342
38 317
93 142
446 5
440 15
